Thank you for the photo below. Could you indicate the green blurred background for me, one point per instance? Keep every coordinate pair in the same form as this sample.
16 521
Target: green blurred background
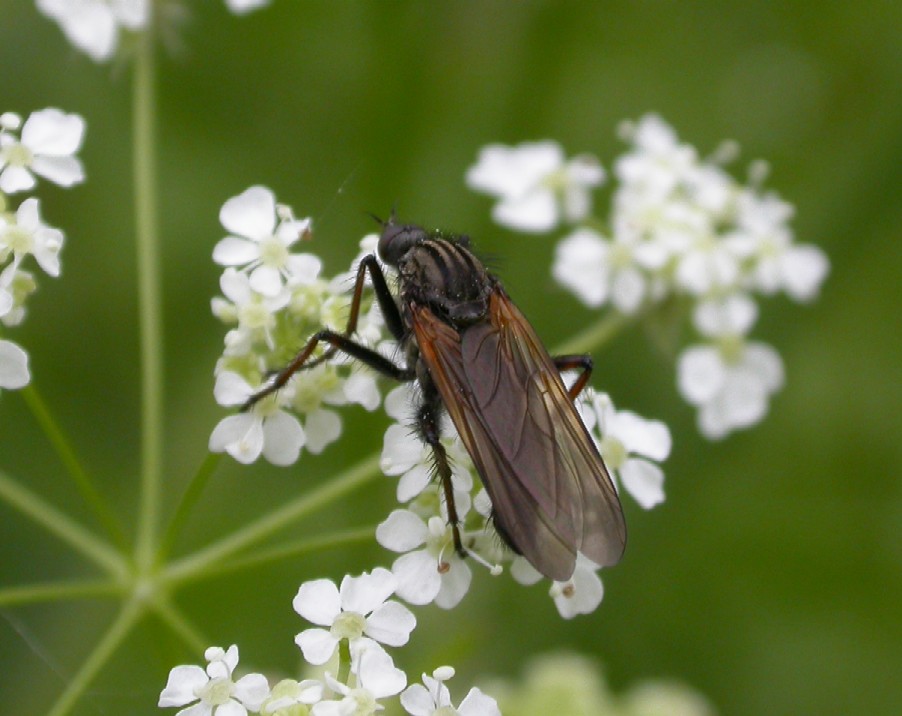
770 579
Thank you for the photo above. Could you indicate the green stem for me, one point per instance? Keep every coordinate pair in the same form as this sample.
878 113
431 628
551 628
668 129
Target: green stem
61 525
344 661
179 623
150 319
293 549
189 499
193 565
596 335
56 592
66 453
97 659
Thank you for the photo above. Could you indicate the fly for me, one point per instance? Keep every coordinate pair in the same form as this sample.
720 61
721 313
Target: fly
477 357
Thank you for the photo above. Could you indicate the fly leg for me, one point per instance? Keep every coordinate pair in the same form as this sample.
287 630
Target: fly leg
575 362
342 341
428 426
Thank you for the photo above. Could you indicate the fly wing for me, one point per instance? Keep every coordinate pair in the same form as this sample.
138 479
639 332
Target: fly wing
549 487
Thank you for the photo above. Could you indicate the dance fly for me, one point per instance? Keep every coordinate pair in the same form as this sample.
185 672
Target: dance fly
475 356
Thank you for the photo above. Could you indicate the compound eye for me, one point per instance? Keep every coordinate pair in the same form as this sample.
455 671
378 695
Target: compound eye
396 240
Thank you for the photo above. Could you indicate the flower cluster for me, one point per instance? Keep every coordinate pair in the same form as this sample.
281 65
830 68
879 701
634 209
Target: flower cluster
357 675
44 146
429 569
574 685
95 26
272 299
681 232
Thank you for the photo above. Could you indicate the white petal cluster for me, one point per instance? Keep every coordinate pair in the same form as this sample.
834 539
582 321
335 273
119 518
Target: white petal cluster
273 299
630 445
536 185
429 570
212 690
358 611
432 698
96 27
353 621
681 231
43 146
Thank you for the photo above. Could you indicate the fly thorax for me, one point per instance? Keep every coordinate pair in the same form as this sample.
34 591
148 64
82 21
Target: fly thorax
446 277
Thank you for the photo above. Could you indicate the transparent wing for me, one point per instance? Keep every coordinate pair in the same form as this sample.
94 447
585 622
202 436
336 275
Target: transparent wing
550 490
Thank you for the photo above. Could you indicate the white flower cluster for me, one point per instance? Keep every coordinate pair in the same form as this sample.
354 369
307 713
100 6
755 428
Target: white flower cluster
429 569
94 26
273 299
358 675
680 227
43 146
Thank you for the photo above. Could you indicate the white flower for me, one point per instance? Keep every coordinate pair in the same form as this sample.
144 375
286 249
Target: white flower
16 285
732 315
254 312
377 678
434 573
260 242
764 238
404 453
289 693
13 366
7 300
213 689
729 382
93 25
356 610
240 7
598 270
628 443
49 140
536 186
582 593
432 698
707 264
30 235
264 429
658 161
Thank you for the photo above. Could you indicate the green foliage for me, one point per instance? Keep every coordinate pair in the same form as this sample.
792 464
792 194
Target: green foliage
769 581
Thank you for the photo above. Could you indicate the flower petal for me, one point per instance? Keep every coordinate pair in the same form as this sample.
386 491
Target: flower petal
251 690
13 366
401 531
241 436
365 593
235 251
417 701
700 374
455 583
53 132
391 624
418 577
251 214
283 438
650 438
644 481
318 601
477 703
535 213
181 686
317 645
322 428
63 171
